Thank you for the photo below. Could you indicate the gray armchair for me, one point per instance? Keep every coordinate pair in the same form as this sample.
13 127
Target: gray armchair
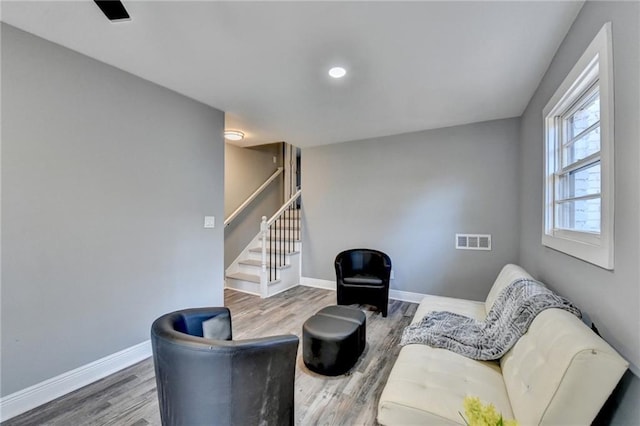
215 380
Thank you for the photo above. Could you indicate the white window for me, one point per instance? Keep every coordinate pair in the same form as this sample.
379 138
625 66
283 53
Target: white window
578 161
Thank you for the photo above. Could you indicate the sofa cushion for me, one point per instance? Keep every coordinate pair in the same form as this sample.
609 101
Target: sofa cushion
469 308
428 385
362 279
560 372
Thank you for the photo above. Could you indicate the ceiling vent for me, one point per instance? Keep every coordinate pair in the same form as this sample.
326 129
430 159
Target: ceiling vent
473 241
114 10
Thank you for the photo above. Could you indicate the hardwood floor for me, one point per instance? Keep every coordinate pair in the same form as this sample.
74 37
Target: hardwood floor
129 396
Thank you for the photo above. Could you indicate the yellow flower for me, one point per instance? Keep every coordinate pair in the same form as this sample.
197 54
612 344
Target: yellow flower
483 415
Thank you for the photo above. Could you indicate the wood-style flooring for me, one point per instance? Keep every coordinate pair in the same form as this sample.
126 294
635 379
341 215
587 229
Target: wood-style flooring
129 396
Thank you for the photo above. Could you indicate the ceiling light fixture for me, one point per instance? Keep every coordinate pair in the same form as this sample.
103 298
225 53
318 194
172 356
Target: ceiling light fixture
233 135
337 72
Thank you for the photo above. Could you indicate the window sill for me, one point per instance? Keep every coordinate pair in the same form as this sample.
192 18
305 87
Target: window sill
597 250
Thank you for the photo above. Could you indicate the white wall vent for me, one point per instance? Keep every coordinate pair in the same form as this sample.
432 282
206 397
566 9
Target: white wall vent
473 241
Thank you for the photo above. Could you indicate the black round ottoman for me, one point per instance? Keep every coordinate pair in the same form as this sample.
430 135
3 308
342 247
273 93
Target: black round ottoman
333 339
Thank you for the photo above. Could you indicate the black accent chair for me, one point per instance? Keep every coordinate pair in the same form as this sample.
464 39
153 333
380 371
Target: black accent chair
215 380
362 276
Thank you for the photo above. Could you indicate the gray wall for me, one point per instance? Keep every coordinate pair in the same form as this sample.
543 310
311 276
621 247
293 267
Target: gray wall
408 195
106 179
245 170
610 299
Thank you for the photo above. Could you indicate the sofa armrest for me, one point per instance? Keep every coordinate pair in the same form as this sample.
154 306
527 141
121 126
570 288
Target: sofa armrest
560 372
507 275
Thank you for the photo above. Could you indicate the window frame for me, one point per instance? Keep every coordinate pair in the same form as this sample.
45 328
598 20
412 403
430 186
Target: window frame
595 67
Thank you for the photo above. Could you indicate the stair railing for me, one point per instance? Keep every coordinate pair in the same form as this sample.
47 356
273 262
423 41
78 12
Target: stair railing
253 196
279 237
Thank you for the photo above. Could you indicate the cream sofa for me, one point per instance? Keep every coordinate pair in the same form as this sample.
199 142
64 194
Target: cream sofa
558 373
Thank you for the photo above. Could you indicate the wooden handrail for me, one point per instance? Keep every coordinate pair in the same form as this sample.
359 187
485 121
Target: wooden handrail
284 207
252 197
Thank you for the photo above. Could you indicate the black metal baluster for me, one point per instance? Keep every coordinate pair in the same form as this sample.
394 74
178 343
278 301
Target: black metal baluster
298 223
280 244
289 229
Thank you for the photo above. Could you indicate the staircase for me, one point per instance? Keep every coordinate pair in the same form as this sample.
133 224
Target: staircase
270 264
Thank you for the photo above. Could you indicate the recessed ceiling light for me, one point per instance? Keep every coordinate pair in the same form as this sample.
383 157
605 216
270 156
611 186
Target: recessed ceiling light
233 135
337 72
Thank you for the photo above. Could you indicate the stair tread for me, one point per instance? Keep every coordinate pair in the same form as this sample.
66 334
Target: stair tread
248 277
255 262
245 277
259 250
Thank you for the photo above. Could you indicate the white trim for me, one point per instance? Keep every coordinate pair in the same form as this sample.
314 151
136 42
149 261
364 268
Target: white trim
282 290
240 290
290 169
318 283
48 390
595 62
404 296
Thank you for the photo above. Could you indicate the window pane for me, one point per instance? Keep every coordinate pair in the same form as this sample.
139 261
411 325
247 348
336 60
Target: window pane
587 115
588 144
579 215
581 182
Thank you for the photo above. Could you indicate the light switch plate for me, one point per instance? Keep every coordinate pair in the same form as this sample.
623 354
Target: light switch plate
209 221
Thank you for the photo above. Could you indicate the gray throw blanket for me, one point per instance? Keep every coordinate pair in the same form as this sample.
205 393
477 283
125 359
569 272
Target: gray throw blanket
509 318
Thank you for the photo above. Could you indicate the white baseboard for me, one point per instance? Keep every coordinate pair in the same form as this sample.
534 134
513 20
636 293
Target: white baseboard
318 283
48 390
282 290
242 291
404 296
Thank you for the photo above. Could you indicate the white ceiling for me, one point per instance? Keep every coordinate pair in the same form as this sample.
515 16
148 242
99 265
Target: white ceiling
411 65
